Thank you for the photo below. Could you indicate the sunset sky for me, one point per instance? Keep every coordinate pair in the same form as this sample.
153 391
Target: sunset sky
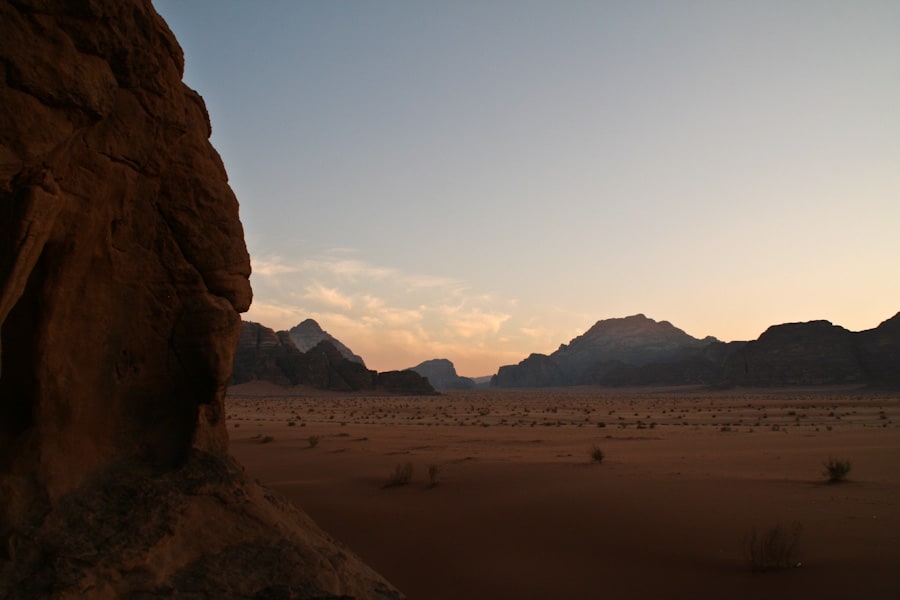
479 180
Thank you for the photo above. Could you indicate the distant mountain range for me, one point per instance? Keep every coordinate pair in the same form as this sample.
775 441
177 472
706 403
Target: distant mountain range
265 355
625 351
640 351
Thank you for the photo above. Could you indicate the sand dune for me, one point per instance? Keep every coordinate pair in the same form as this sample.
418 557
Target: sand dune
520 511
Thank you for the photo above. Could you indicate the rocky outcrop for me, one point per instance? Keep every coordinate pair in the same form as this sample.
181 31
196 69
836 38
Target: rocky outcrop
406 383
818 353
308 334
199 531
640 351
614 352
538 370
121 278
879 352
265 355
441 373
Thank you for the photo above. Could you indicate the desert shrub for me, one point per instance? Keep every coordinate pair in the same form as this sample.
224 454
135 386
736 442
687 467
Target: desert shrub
401 476
836 470
266 439
774 549
434 472
597 455
313 441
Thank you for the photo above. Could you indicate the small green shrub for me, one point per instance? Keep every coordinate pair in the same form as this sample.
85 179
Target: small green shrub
402 475
773 550
597 455
836 470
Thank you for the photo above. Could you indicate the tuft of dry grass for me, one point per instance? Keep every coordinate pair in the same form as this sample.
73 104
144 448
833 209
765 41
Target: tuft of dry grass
313 441
434 472
401 475
597 454
836 470
774 549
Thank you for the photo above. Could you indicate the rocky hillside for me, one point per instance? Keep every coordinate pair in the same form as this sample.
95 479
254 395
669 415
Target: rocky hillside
441 373
617 352
640 351
308 334
818 353
265 355
122 277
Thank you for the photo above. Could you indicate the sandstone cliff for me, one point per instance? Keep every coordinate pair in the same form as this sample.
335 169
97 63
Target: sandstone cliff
640 351
308 334
121 278
617 352
441 374
265 355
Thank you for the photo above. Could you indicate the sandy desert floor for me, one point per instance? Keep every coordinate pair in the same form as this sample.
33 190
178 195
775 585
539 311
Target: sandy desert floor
519 510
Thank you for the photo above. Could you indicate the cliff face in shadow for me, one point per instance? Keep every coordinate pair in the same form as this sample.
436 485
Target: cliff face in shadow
121 278
818 353
639 351
266 355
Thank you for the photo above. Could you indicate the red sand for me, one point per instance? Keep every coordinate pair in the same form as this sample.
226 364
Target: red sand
520 511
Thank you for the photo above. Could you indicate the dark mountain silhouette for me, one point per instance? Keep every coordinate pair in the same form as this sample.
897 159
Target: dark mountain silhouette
624 351
441 373
308 334
818 353
265 355
640 351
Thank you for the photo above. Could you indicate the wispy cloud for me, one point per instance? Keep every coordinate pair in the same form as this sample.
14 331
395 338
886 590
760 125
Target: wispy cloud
317 293
394 319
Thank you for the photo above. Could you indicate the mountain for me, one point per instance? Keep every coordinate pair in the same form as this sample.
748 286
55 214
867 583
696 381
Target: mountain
266 355
308 334
441 373
818 353
640 351
617 352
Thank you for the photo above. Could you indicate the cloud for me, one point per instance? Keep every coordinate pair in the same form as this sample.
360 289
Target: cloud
329 296
394 319
273 266
473 323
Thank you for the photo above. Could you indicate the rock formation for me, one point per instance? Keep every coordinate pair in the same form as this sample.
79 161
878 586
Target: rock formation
441 374
818 353
265 355
308 334
121 278
640 351
613 352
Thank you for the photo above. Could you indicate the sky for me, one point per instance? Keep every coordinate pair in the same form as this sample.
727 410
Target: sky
478 180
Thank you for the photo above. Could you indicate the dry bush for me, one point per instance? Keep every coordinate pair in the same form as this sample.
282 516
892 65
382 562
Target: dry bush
773 550
313 441
402 475
597 455
836 470
434 472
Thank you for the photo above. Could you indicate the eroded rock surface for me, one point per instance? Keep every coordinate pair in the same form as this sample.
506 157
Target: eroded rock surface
122 273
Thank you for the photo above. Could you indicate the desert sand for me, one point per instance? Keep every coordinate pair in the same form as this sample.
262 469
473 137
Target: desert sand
519 509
